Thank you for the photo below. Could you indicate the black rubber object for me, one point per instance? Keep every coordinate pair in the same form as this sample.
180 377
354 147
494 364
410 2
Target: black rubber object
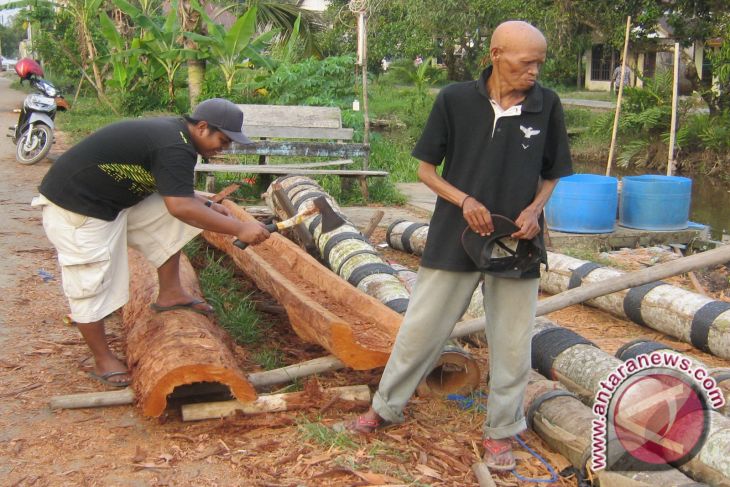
368 270
576 277
699 333
547 344
632 301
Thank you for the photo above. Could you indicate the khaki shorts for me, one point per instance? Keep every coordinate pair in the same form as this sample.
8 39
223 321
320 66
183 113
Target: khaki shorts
93 252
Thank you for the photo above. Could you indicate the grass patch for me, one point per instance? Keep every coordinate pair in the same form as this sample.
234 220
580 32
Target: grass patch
233 307
268 358
326 437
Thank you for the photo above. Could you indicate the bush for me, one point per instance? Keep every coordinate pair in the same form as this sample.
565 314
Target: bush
326 82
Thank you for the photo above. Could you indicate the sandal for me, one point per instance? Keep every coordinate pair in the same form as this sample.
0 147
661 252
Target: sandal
494 449
361 425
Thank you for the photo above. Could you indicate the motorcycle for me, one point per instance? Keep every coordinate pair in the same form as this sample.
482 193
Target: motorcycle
33 134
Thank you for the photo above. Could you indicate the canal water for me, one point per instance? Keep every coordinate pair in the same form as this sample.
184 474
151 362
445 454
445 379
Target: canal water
710 198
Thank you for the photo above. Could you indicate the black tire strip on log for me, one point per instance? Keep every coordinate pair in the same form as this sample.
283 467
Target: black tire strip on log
549 343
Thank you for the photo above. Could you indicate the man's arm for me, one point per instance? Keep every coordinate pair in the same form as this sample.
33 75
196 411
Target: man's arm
193 211
528 220
475 213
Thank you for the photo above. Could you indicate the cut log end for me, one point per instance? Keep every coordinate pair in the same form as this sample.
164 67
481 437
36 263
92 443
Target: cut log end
155 402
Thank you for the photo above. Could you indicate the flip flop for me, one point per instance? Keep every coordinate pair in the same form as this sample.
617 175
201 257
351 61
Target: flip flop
104 378
189 306
360 426
496 449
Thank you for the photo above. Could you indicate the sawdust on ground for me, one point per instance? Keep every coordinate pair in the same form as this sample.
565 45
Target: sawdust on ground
42 357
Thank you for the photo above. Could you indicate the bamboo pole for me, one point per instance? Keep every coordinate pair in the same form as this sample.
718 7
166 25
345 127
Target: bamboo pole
717 256
673 127
618 100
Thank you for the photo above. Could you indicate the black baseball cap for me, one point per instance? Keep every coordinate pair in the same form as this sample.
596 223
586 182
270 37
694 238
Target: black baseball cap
223 115
499 254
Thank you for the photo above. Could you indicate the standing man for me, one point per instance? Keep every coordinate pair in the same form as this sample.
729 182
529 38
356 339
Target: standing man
616 77
131 184
504 145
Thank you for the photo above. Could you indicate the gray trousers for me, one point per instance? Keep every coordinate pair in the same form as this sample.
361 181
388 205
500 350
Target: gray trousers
439 299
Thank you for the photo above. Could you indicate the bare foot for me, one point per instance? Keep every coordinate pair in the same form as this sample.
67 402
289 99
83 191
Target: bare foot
498 454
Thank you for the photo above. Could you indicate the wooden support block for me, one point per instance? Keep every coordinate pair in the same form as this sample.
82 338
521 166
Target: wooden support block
271 403
93 399
484 476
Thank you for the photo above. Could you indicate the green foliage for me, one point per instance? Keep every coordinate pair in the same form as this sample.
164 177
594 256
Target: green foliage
325 436
235 48
702 131
233 309
326 82
268 358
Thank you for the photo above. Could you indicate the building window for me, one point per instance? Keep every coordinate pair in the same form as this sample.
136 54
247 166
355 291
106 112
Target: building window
602 58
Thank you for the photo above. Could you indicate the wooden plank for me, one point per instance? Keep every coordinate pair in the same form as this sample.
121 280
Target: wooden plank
273 403
200 167
285 132
291 115
266 169
322 308
306 149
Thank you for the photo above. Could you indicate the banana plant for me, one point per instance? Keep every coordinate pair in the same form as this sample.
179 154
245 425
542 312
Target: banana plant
236 48
125 62
160 43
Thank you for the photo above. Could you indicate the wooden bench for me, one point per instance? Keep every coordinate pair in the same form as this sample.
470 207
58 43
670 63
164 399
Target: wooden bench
300 131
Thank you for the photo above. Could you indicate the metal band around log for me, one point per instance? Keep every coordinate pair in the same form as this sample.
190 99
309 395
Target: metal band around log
399 305
638 347
633 298
549 343
350 256
539 400
406 237
337 239
368 270
702 322
576 277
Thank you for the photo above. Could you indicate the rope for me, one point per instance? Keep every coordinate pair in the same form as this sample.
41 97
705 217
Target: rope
553 475
472 402
358 5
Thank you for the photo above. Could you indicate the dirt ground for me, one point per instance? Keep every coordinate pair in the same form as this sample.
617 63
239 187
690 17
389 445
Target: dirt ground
41 357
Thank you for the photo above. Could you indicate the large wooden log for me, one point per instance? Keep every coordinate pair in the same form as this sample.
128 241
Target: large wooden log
322 308
685 315
581 369
564 423
174 348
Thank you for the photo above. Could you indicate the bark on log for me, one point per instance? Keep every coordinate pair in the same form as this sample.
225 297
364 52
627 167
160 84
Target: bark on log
274 403
565 424
356 328
174 348
585 369
665 308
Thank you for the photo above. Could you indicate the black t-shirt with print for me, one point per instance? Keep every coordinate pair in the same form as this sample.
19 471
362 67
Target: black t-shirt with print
501 170
120 165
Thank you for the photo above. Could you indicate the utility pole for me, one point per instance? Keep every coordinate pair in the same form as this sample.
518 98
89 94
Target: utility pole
359 7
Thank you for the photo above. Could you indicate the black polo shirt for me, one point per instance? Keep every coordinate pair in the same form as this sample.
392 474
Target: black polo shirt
501 170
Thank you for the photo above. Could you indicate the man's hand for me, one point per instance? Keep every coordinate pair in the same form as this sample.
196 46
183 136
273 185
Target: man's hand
528 221
477 216
252 233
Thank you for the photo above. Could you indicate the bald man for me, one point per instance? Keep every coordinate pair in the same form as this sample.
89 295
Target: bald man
503 143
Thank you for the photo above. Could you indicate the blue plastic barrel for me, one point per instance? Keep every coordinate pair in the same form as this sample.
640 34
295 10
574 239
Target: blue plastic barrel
583 203
653 202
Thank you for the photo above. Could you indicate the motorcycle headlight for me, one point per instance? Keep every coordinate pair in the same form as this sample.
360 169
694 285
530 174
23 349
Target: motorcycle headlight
40 103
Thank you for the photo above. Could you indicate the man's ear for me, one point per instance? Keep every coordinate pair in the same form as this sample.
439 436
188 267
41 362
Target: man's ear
201 127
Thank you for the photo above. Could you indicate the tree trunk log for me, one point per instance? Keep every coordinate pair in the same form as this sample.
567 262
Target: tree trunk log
275 403
174 348
584 370
565 424
323 309
666 308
